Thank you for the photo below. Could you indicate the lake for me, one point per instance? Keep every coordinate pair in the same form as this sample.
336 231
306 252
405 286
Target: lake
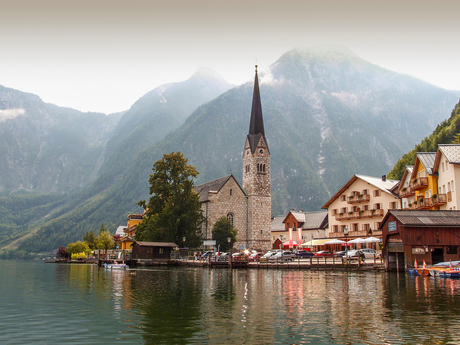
83 304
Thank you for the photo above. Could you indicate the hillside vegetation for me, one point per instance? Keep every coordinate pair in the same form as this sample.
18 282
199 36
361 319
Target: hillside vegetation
445 133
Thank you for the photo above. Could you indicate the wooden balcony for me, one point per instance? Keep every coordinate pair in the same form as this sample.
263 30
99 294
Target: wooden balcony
427 203
351 234
359 214
407 193
418 183
356 199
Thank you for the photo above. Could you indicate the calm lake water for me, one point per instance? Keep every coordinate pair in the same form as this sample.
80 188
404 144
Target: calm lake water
83 304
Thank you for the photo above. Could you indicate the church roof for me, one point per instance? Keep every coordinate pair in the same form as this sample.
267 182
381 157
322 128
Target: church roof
256 125
213 186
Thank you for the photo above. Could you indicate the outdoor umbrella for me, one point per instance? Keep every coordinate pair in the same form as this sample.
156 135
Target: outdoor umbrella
357 240
371 240
336 241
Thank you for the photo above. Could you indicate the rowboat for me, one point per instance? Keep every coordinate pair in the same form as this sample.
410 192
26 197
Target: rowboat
115 266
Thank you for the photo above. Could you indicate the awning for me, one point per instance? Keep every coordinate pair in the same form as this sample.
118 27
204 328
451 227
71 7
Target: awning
315 242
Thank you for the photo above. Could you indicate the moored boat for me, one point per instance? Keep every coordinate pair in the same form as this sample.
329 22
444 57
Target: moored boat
114 266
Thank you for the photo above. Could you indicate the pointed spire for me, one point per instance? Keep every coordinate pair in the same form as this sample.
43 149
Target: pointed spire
256 125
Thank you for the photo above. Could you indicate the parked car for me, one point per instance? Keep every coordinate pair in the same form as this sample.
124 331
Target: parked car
205 255
284 255
339 254
370 253
267 255
304 254
255 256
354 255
324 254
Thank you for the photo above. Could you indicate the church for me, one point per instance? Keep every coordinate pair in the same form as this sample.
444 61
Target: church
249 207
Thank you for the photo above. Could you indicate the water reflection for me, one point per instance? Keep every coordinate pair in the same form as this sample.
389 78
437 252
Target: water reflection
52 304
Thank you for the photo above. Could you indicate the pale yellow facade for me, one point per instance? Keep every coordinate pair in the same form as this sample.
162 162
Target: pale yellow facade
360 206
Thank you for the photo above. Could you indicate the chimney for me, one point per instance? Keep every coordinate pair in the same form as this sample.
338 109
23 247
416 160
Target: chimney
384 178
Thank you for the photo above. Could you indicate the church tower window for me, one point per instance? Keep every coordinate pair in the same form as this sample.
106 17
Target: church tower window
230 218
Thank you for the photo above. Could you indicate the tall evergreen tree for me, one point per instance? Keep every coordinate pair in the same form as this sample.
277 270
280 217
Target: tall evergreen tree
174 208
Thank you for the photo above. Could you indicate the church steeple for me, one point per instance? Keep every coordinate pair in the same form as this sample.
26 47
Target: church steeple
256 125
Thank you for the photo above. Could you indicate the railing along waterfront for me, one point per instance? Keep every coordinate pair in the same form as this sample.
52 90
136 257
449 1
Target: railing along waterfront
359 214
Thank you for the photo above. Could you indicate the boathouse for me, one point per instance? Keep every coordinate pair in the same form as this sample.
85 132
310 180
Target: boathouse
152 251
432 236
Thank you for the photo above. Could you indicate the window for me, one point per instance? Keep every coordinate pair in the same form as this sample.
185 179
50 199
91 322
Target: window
355 193
442 165
230 218
354 227
443 189
451 249
149 250
366 191
261 232
447 165
448 186
394 205
334 212
366 207
377 206
344 210
160 251
343 198
335 228
231 191
452 185
366 227
376 225
377 192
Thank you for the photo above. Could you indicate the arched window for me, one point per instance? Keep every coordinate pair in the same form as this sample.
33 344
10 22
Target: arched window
230 218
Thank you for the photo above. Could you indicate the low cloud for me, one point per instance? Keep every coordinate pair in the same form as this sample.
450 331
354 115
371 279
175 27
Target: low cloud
9 114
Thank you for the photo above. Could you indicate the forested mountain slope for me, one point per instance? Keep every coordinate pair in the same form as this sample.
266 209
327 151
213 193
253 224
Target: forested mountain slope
445 133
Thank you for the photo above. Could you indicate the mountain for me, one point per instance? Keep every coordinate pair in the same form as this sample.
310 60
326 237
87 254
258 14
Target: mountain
47 148
446 132
328 114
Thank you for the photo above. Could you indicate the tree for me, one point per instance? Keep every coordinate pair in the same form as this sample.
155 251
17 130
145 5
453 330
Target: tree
90 238
104 240
77 247
221 231
174 208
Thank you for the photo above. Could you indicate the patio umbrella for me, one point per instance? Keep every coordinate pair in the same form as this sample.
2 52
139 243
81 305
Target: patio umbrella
371 240
335 241
357 240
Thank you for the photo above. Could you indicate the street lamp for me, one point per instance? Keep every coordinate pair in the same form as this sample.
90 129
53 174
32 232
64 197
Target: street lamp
345 232
229 239
183 241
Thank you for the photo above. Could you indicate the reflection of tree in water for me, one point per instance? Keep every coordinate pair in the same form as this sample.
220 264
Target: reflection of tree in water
170 300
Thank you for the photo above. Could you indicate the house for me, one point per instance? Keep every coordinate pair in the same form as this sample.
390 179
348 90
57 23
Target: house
447 166
249 207
359 206
128 239
424 235
404 190
152 251
313 225
424 183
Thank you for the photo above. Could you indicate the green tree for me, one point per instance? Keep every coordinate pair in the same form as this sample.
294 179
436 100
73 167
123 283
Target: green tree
174 208
104 240
90 238
223 229
77 247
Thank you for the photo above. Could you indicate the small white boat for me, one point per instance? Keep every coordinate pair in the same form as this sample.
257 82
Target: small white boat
115 266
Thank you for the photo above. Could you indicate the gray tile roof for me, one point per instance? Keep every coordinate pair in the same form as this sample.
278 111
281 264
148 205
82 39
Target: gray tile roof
215 185
277 223
452 152
386 185
427 159
310 220
427 217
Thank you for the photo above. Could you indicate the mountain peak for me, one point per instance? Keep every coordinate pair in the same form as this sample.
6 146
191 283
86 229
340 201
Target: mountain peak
208 74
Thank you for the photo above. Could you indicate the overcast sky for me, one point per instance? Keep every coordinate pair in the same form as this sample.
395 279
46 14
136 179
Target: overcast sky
103 55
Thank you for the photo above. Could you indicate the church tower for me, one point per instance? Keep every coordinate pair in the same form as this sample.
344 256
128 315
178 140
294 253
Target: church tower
256 179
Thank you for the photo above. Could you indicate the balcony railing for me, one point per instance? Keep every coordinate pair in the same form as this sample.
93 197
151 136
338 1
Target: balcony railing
355 199
351 234
359 214
406 193
439 200
418 183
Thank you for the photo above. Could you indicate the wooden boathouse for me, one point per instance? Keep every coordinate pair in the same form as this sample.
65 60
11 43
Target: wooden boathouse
424 235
